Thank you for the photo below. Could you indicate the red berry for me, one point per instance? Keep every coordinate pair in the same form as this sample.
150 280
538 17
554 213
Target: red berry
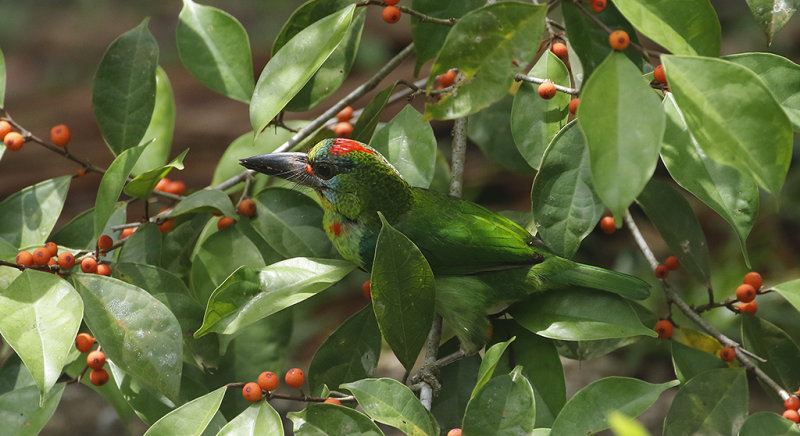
749 307
81 172
454 432
727 354
127 231
52 248
791 403
607 225
251 392
662 271
598 5
103 269
162 184
84 342
745 293
96 359
672 263
268 381
658 75
176 187
391 14
104 242
345 114
98 377
547 90
5 128
619 40
66 260
447 79
366 289
41 256
247 207
573 105
332 401
391 2
343 129
753 279
791 415
224 222
664 328
14 141
89 265
60 135
559 49
166 226
25 258
295 377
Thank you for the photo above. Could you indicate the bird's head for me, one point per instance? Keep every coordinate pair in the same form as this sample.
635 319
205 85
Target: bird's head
350 177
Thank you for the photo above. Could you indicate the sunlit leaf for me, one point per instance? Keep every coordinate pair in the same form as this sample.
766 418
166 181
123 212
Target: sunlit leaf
28 216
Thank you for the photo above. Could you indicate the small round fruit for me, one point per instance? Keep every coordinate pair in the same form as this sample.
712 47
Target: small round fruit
14 141
66 260
598 5
96 359
753 279
664 328
333 401
81 172
619 40
247 207
251 392
391 2
162 184
52 248
224 222
745 293
792 415
727 354
166 226
343 129
749 307
607 225
454 432
662 271
41 256
791 403
559 49
366 289
447 79
103 269
672 263
89 265
5 128
98 377
391 14
547 90
60 135
104 242
176 187
84 342
573 105
345 114
268 381
25 258
295 378
127 231
659 76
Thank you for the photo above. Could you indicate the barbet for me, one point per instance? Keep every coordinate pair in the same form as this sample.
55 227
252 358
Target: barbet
480 258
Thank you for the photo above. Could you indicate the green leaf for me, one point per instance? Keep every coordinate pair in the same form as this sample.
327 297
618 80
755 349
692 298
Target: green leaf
790 291
162 125
28 216
111 186
486 61
21 412
191 418
327 419
534 120
349 354
403 293
686 27
409 144
143 246
178 245
147 403
429 37
458 380
250 294
124 89
489 363
74 234
715 402
675 221
214 47
772 14
623 122
490 129
587 411
588 350
689 362
572 315
392 403
142 185
39 317
290 69
782 77
137 331
736 138
770 342
259 419
505 405
204 200
2 82
371 115
733 195
563 200
768 424
621 425
243 146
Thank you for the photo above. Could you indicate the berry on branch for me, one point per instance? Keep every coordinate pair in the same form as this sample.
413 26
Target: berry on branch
14 141
66 260
251 392
98 377
745 293
573 105
559 49
662 271
247 207
84 342
59 135
753 279
391 14
89 265
619 40
295 378
547 90
345 114
96 359
598 5
607 225
727 354
447 79
664 328
25 258
268 381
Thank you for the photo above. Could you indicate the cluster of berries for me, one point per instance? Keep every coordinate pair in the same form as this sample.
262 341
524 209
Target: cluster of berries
791 405
391 13
268 382
95 359
747 291
344 128
671 263
246 208
14 141
176 187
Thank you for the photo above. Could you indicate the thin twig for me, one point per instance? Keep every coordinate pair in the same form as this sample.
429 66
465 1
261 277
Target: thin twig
419 15
304 398
564 89
459 154
605 27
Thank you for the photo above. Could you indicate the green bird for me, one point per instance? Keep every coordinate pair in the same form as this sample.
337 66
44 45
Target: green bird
479 258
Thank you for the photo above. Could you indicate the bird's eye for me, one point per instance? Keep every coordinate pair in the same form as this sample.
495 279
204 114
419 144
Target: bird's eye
324 170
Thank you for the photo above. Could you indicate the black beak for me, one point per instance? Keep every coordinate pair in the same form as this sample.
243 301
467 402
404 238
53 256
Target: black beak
290 166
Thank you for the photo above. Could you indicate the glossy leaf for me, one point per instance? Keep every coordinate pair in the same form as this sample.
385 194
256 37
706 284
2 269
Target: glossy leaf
258 419
326 419
587 411
490 129
289 69
768 424
162 125
403 293
143 246
28 216
770 342
486 61
204 200
146 402
675 221
349 354
39 317
250 294
142 185
429 37
371 115
686 27
191 418
736 138
392 403
214 47
21 412
137 331
409 144
790 291
489 363
563 200
713 403
74 234
505 405
536 121
111 186
588 350
571 314
623 122
124 88
771 15
178 245
621 425
689 362
733 195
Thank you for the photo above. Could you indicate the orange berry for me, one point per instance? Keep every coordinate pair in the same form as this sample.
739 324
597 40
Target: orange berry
176 187
664 328
14 141
98 377
662 271
332 401
166 226
791 403
619 40
268 381
60 135
753 279
127 231
745 293
104 242
247 207
454 432
343 129
53 261
672 263
84 342
727 354
391 14
573 105
251 392
224 222
52 248
559 49
25 258
162 184
295 378
96 359
345 114
66 260
103 270
598 5
447 79
81 172
5 127
792 415
607 225
391 2
366 289
749 307
41 256
89 265
658 74
547 90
